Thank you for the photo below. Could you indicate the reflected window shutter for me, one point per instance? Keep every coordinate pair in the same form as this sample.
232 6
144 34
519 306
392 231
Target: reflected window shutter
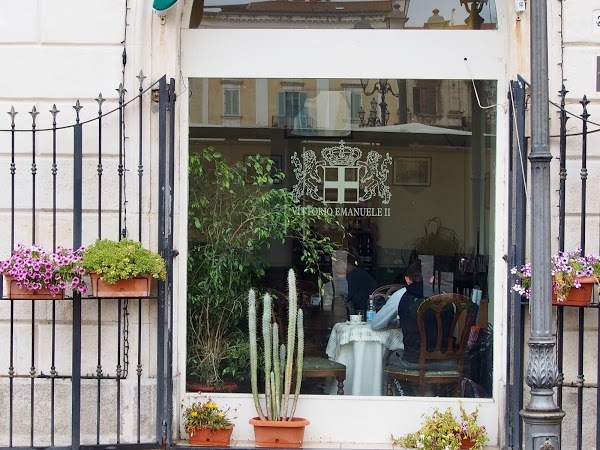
355 97
303 97
281 111
416 100
431 106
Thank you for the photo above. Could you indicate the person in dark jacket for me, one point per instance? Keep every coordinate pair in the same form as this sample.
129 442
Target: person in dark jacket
412 298
360 284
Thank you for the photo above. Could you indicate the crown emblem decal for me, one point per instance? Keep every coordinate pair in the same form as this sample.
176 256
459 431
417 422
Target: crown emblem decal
341 176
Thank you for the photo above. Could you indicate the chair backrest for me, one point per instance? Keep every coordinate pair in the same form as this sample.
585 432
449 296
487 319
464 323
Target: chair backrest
437 319
382 293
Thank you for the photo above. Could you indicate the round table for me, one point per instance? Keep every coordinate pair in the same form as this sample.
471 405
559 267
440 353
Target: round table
363 352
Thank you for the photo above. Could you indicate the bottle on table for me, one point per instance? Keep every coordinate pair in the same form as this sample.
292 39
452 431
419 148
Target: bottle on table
371 310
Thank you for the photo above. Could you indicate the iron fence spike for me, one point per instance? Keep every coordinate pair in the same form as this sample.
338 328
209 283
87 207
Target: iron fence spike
100 100
54 111
77 108
34 113
141 77
12 113
121 90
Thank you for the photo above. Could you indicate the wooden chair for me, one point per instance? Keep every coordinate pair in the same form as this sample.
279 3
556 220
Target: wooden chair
446 348
381 294
315 367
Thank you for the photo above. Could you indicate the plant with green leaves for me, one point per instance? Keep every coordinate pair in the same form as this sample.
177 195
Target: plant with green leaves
443 431
122 260
281 363
236 211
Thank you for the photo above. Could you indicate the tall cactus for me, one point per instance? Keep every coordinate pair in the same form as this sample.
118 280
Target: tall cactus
279 359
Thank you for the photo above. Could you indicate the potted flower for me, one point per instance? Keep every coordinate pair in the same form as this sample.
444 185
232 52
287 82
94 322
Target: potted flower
573 277
443 431
276 425
32 272
122 268
207 425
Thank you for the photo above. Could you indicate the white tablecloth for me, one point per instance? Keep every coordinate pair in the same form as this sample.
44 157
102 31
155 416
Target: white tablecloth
363 352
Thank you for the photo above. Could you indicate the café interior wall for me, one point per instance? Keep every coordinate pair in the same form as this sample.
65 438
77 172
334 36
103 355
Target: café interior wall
448 197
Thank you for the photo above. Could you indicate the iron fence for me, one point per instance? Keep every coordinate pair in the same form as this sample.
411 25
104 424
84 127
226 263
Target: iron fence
83 371
572 146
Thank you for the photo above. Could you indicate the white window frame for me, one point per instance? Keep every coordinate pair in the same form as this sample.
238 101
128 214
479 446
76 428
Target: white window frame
350 54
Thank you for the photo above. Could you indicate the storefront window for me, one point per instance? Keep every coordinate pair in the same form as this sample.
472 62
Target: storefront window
404 170
365 14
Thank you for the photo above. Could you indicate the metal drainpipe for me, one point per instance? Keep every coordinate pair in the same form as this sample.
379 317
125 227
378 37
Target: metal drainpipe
542 418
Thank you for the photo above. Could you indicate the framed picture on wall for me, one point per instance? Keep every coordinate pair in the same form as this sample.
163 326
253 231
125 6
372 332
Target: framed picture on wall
412 171
277 165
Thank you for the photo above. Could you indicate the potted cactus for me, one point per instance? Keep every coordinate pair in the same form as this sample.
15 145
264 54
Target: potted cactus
276 425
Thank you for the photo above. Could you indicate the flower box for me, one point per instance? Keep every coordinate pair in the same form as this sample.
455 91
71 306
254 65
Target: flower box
133 287
573 277
206 424
205 437
279 433
122 269
14 292
578 296
35 273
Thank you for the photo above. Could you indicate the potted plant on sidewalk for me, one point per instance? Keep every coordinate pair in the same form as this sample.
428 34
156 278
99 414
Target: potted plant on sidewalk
276 425
207 425
443 431
34 273
122 268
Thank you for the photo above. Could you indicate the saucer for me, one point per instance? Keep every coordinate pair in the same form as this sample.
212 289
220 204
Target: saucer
355 323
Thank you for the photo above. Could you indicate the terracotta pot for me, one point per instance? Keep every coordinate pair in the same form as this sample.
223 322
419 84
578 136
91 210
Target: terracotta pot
279 434
13 292
205 437
466 443
133 287
227 386
578 296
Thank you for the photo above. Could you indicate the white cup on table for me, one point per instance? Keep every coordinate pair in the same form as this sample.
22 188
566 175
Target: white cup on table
355 318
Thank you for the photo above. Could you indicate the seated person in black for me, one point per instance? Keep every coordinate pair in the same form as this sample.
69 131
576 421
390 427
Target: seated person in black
407 315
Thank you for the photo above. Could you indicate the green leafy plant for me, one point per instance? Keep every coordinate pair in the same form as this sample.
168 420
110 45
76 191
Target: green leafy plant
236 211
205 415
122 260
444 431
281 362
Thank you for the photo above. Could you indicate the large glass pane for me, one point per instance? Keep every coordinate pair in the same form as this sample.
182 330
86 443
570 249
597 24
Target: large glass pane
405 168
360 14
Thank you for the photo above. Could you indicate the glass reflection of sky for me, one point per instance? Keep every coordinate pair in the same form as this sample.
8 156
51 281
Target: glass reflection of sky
418 13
